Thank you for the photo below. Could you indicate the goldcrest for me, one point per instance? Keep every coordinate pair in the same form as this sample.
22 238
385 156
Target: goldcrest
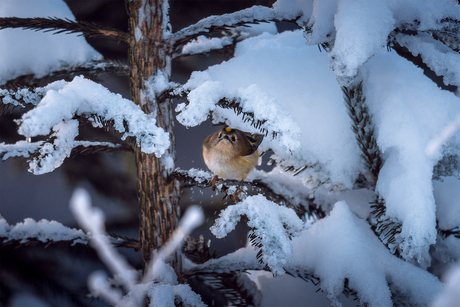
231 153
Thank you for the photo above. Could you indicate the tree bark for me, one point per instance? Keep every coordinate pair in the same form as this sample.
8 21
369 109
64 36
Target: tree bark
148 56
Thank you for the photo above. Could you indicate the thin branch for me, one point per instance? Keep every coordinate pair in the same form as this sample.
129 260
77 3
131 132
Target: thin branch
58 25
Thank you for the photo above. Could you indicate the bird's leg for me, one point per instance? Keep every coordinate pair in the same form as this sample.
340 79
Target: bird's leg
213 182
238 191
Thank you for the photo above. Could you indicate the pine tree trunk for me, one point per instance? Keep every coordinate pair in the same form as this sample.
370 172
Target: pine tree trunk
158 197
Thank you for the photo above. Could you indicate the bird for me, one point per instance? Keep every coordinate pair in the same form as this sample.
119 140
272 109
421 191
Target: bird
231 154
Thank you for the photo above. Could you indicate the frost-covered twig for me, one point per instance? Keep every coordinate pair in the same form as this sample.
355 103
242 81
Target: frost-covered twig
159 283
92 220
59 25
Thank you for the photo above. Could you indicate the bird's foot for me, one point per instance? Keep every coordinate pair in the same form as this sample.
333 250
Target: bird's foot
213 182
237 192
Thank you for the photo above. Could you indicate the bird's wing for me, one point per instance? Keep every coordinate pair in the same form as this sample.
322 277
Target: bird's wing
254 141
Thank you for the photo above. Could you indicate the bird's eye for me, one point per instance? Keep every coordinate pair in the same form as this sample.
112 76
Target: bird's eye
220 135
233 138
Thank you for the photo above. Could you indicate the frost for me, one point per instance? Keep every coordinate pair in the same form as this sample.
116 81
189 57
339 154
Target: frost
50 51
274 225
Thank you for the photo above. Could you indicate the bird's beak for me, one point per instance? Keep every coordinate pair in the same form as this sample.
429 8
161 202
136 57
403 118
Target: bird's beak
227 138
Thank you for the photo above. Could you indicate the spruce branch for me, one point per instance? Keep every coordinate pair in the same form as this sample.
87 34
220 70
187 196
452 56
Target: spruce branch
91 70
58 25
27 240
13 97
223 22
363 128
226 289
449 165
229 186
386 229
197 250
450 232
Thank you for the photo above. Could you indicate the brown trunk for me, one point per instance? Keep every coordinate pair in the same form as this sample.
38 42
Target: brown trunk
158 198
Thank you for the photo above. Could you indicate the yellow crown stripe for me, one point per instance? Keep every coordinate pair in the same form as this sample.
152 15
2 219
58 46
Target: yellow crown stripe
228 129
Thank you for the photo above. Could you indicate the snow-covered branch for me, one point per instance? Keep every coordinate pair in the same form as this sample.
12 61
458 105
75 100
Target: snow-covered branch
280 187
82 97
254 14
59 25
23 98
91 69
271 224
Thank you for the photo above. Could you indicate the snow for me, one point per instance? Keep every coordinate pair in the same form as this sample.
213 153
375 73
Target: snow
50 52
447 196
203 44
450 296
362 30
273 224
49 158
343 246
64 100
312 124
408 110
441 59
247 15
43 230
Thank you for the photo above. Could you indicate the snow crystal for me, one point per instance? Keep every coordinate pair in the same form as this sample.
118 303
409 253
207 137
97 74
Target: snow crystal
290 87
409 110
50 52
81 96
273 224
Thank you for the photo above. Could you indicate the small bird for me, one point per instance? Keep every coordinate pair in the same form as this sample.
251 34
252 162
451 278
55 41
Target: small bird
231 153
